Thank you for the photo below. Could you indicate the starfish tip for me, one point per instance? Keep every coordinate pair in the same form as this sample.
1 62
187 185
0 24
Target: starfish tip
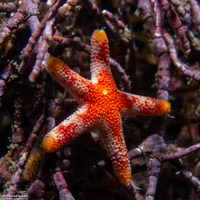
48 144
52 64
100 34
126 178
164 106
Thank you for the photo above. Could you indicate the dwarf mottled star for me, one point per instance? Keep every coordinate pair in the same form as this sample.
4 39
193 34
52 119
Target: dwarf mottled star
101 106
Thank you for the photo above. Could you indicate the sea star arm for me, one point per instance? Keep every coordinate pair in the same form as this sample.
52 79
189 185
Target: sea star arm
140 105
111 131
76 124
70 80
100 66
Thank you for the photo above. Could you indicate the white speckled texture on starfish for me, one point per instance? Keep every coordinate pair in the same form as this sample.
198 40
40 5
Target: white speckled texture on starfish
101 105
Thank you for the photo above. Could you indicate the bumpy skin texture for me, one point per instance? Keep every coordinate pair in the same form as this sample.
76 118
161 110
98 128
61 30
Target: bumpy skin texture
101 105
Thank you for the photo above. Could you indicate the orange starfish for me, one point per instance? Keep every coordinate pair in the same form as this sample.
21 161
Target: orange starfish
102 106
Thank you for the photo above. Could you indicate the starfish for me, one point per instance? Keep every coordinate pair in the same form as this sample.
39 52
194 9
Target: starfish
101 106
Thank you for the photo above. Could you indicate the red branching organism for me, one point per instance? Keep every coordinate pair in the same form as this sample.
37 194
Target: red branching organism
154 51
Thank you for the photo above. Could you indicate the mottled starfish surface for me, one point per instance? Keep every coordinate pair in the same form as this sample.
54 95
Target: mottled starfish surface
101 106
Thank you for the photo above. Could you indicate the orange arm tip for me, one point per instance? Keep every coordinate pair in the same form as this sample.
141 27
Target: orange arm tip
53 64
99 35
164 107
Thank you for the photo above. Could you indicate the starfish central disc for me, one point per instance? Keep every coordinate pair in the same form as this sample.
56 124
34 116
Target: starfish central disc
102 106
